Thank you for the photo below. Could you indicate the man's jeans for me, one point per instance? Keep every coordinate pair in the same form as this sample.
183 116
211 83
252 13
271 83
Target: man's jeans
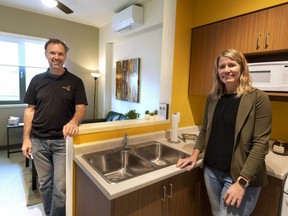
217 183
49 156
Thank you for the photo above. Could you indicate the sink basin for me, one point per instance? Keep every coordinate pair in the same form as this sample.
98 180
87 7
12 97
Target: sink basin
118 166
159 154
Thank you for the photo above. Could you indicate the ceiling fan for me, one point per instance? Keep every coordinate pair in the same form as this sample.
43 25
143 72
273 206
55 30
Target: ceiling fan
58 4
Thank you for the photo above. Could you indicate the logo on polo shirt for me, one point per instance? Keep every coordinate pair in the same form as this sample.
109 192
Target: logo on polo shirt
67 87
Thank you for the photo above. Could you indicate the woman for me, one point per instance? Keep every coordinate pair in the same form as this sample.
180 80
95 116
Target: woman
234 136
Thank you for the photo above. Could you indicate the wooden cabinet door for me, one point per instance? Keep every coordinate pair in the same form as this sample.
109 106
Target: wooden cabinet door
264 30
188 197
269 202
183 194
203 53
207 43
277 27
251 29
144 201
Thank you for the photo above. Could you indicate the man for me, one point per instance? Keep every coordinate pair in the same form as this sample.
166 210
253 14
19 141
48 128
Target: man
56 104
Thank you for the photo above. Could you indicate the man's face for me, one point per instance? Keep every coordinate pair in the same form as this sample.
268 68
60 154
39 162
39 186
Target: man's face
56 56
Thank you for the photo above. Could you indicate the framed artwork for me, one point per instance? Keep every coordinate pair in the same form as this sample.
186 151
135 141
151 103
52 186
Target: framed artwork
128 80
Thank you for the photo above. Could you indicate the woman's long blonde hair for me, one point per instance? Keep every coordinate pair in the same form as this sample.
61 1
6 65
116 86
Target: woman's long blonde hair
245 82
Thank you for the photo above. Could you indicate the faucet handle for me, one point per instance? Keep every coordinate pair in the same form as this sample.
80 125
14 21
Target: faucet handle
126 136
125 141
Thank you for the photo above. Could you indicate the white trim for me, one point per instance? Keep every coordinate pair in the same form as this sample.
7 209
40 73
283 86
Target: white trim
69 176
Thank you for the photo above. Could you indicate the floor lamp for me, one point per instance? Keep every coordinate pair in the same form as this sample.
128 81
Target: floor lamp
95 110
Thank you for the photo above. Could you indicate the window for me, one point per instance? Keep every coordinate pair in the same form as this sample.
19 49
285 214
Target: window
21 58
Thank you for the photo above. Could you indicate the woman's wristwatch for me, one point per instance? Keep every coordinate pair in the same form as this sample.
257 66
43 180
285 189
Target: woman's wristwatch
244 183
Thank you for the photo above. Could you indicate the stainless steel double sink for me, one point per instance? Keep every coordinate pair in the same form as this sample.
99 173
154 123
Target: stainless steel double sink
117 165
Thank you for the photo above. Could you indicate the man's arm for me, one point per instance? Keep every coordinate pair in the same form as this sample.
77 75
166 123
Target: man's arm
71 128
28 117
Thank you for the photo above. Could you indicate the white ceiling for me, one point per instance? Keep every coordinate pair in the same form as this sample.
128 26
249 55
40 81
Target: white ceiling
95 13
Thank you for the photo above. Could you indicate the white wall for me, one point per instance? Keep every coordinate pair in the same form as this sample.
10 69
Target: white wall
147 47
150 44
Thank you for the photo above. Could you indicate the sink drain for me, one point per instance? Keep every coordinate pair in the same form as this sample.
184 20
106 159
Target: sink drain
160 162
117 176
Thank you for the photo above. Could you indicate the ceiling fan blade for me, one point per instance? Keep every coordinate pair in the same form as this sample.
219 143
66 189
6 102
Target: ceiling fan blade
64 8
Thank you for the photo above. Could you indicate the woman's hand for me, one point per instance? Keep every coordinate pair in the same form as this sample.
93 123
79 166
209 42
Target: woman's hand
189 162
234 195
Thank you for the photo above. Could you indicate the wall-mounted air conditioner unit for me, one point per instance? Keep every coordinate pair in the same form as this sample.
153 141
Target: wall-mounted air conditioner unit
128 18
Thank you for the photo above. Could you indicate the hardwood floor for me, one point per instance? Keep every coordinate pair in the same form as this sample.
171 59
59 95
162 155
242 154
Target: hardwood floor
12 196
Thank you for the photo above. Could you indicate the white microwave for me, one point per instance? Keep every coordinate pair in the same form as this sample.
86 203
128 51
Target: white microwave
270 76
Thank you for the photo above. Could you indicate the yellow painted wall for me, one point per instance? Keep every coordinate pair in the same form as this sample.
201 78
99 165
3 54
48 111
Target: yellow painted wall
196 13
84 138
192 13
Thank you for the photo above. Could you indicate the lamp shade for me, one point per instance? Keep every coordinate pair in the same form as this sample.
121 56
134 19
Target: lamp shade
95 75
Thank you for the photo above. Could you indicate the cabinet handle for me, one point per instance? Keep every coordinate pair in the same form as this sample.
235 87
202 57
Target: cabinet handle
258 41
171 191
267 39
164 194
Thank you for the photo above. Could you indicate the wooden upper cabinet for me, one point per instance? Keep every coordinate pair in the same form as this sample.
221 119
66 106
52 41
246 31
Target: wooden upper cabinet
277 27
252 31
203 52
207 43
265 30
258 32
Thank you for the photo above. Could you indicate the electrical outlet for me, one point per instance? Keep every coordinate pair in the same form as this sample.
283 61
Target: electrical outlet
163 111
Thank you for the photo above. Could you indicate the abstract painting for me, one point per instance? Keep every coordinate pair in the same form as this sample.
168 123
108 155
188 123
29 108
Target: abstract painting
128 80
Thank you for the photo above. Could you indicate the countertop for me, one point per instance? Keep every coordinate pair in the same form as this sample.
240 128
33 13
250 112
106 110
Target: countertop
276 164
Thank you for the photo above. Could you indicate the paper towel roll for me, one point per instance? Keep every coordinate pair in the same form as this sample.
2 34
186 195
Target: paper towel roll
174 129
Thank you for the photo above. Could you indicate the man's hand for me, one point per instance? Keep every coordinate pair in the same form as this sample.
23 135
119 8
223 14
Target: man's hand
27 148
27 145
70 129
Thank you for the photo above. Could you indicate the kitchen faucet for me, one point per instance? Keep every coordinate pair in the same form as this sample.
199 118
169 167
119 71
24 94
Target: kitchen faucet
125 141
